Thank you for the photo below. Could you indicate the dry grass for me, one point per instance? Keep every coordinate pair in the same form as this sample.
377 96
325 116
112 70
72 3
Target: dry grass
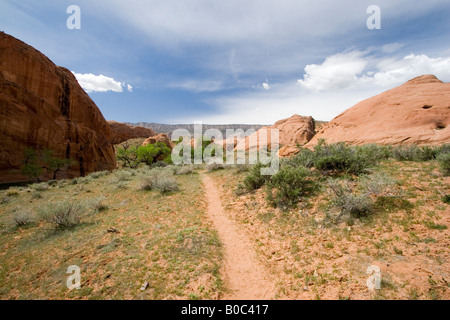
124 239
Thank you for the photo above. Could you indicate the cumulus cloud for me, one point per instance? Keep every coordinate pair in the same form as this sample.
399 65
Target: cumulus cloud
338 71
350 70
393 72
93 83
266 86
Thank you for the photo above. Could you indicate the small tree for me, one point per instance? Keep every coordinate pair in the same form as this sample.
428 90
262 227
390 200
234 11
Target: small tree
151 153
36 161
128 156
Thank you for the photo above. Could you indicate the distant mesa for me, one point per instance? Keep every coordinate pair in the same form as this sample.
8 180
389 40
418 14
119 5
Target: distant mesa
44 107
121 132
417 112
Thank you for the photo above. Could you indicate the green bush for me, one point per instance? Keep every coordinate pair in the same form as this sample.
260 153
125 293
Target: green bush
342 158
289 185
254 180
132 156
63 214
304 158
444 163
152 153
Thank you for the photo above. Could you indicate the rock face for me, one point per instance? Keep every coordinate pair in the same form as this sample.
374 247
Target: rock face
292 131
43 106
417 112
160 138
122 132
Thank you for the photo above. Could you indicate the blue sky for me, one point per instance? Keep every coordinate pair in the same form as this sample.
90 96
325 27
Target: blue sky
247 61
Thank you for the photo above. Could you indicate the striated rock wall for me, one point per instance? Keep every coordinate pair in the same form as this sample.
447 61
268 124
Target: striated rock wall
43 106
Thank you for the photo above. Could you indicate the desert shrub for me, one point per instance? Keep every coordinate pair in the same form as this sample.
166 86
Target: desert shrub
12 193
22 219
99 174
379 184
289 185
166 184
343 197
73 181
63 214
242 167
415 153
254 180
444 163
304 158
445 148
446 199
36 195
160 164
98 205
215 167
52 183
40 186
342 158
122 175
159 181
184 170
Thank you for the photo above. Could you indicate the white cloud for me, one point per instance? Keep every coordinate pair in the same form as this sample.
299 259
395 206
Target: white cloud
350 70
92 83
394 72
327 89
266 86
338 71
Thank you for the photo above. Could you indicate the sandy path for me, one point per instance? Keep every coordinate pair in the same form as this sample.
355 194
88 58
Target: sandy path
244 274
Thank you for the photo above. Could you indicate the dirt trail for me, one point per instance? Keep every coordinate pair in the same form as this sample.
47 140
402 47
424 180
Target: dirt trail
244 274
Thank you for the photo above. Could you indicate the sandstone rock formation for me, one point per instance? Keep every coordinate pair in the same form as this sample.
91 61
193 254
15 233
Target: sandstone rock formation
417 112
122 132
43 106
160 138
292 131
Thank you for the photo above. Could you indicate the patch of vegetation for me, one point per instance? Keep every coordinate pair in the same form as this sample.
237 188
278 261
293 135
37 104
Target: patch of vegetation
444 163
63 214
435 226
22 218
287 187
131 156
159 180
38 162
254 179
